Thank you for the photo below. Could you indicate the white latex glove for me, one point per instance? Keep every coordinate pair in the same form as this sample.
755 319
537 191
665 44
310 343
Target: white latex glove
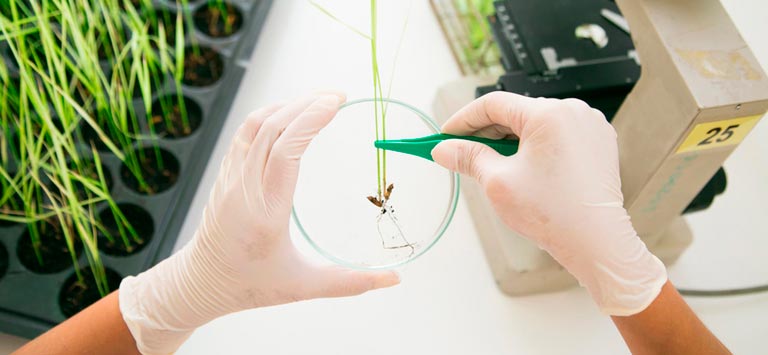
561 190
242 257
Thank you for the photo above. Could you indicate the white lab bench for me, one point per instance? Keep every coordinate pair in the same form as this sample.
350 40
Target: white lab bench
448 302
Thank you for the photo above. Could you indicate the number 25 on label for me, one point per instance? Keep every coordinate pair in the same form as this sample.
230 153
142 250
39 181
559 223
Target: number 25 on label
718 134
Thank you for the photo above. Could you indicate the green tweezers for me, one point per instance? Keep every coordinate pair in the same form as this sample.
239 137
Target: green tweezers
422 147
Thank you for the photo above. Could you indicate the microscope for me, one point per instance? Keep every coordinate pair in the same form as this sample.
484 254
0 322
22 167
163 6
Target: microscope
674 77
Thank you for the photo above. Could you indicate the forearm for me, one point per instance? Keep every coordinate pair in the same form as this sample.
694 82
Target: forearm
99 329
668 326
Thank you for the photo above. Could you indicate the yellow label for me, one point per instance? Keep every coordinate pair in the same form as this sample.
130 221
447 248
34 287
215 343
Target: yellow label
718 134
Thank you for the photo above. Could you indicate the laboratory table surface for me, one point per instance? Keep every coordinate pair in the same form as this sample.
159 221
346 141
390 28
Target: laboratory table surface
448 302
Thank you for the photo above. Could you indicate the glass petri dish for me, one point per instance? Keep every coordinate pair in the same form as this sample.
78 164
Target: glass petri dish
339 171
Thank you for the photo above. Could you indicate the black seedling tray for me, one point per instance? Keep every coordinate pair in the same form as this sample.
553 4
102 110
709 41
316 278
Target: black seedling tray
29 302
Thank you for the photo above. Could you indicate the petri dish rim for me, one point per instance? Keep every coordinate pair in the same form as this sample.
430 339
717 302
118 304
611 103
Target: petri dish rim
447 218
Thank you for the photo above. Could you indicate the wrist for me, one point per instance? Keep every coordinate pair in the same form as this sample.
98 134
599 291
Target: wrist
165 304
626 288
602 250
142 305
621 274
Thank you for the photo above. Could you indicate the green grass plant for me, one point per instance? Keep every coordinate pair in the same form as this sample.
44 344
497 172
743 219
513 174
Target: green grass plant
76 70
380 105
220 11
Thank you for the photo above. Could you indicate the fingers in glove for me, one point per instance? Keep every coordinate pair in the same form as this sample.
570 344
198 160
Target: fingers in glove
233 161
496 132
469 158
271 129
497 108
300 132
336 281
283 163
246 133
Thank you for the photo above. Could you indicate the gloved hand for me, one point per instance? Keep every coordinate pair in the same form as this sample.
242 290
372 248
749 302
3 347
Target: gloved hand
241 257
562 190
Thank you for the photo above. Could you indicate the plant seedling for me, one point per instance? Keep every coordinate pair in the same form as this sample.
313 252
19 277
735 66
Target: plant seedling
389 228
221 19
